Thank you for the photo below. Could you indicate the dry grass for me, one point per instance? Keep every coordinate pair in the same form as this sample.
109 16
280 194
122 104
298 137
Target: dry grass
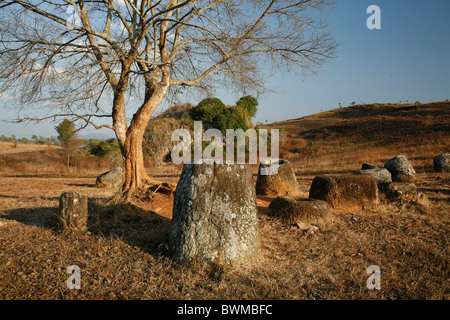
11 147
124 256
38 160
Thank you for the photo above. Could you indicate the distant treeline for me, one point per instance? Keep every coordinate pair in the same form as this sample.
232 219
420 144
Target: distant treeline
90 147
34 139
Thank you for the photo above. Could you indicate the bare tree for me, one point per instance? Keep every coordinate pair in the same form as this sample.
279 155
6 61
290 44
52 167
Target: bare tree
93 59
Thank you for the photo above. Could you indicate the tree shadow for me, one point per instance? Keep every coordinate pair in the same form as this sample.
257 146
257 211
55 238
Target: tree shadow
264 209
439 199
140 228
431 190
86 185
45 217
28 198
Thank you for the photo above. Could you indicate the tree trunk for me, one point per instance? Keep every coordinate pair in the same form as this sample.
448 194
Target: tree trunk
135 175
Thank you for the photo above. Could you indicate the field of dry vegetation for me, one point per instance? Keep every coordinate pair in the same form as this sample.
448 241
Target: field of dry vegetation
124 255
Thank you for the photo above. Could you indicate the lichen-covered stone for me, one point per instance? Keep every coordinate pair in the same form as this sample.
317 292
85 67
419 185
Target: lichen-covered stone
301 211
345 190
283 183
112 178
400 169
442 163
215 215
381 175
73 212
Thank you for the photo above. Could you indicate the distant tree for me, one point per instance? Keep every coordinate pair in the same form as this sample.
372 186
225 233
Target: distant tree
210 103
67 137
249 106
24 140
215 115
101 148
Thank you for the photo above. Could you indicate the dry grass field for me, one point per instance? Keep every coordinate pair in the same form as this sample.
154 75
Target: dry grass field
344 138
124 255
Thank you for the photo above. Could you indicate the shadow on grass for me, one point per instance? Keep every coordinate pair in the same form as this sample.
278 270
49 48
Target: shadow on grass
45 217
143 229
431 190
86 185
28 198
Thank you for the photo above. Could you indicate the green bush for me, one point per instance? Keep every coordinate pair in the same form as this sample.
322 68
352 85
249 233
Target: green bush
211 103
101 148
215 115
248 105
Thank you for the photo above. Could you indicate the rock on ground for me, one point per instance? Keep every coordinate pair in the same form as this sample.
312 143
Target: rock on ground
400 169
345 191
283 182
408 194
215 215
301 211
367 166
382 176
112 178
442 163
73 212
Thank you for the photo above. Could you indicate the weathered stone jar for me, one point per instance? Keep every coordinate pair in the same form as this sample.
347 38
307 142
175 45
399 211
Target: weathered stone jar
215 215
281 182
73 212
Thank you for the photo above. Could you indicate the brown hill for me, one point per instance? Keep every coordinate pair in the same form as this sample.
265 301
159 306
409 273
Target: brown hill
366 133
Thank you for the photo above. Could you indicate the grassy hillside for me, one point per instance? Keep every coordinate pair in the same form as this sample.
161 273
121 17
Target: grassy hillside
344 138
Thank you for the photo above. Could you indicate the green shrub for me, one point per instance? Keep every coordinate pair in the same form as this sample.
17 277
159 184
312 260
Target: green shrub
101 148
215 115
248 105
211 102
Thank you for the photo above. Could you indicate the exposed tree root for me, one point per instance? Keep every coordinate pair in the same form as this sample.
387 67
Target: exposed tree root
142 194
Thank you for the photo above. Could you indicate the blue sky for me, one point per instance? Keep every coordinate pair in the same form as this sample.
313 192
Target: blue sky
408 59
